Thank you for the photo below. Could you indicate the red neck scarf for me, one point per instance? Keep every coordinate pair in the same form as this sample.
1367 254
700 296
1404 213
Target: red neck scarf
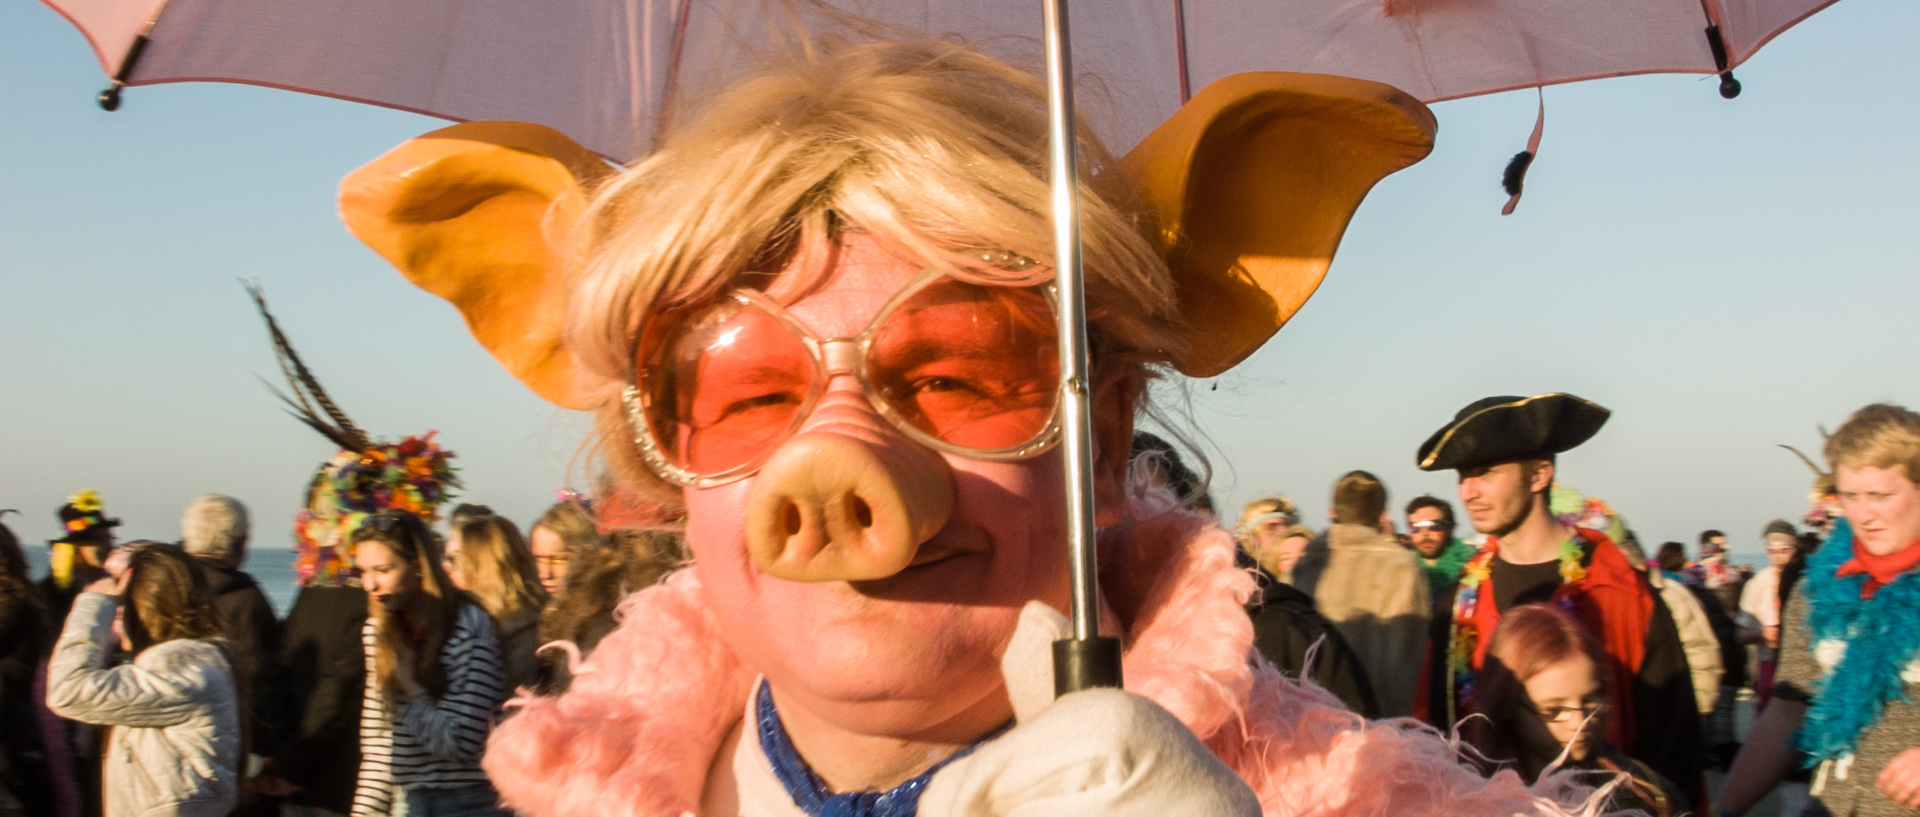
1880 570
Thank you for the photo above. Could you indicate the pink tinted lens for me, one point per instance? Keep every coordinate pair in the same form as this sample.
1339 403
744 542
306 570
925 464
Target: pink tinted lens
974 366
727 388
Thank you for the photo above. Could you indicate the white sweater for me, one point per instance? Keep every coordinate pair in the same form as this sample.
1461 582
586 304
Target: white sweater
177 749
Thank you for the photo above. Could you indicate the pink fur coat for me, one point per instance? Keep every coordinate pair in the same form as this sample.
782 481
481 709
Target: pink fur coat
648 710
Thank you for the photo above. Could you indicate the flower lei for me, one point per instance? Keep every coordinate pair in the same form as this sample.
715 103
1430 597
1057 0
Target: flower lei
1465 643
1882 637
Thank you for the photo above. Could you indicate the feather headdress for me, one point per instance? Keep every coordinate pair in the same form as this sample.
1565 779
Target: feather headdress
1823 499
412 475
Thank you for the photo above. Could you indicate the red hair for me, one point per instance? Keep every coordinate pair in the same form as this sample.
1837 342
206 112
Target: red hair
1533 637
1529 639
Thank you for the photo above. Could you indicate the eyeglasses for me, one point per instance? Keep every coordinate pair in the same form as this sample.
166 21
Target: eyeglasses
1551 714
958 367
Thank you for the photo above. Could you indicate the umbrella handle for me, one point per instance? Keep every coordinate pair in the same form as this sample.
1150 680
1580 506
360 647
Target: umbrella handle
1086 660
1090 664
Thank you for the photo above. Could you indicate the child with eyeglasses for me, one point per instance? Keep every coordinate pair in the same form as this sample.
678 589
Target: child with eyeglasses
1543 698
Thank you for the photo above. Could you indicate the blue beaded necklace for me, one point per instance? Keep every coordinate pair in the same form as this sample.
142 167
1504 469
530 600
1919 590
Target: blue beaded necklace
811 794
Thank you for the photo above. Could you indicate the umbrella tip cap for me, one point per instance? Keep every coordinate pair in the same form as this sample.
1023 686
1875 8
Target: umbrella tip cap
109 99
1729 87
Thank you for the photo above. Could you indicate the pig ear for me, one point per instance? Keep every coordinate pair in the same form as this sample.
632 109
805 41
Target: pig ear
476 214
1253 182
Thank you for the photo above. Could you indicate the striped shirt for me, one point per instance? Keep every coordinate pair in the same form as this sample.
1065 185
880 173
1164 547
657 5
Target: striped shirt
428 743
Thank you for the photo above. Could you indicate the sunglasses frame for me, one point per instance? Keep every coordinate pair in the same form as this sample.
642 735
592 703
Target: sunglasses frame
830 357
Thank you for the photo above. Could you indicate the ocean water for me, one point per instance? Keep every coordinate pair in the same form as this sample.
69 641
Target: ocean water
272 568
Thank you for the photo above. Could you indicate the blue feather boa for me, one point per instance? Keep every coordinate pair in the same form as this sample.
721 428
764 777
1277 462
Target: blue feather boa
1882 635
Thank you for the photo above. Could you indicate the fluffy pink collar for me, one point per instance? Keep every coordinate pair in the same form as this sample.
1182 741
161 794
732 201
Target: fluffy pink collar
644 719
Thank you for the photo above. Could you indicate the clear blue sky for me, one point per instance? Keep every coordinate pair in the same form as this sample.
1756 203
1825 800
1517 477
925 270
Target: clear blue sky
1724 275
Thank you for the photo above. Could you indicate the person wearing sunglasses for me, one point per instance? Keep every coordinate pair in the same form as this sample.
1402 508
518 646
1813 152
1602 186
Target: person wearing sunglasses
1430 529
816 328
1543 702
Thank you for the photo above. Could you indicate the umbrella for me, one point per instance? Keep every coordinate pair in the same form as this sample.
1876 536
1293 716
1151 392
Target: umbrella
609 74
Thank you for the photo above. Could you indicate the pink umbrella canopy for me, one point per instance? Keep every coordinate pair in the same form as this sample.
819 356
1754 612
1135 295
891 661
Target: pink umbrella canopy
609 72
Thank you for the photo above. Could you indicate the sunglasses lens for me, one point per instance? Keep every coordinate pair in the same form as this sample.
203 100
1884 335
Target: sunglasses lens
725 387
970 365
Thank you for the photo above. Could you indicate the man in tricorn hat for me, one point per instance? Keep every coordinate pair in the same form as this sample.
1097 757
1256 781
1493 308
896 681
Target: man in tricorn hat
1504 450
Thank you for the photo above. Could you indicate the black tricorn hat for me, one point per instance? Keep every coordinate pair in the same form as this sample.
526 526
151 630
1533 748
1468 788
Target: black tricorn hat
1501 429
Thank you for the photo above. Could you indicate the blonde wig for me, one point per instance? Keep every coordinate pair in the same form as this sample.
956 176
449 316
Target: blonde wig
932 148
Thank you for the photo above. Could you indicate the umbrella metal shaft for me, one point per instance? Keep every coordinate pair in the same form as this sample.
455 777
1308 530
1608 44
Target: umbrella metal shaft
1086 660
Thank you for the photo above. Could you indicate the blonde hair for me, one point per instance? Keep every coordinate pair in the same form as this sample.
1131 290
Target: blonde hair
934 149
1881 435
498 567
1272 504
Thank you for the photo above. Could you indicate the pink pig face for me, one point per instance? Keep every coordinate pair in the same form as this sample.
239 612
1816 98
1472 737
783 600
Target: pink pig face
912 653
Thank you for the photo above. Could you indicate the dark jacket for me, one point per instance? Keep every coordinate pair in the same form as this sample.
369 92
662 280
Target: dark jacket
246 619
24 771
1286 626
326 677
1660 713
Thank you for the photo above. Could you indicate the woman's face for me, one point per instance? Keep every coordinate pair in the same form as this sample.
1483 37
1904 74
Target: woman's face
908 653
450 559
387 578
1883 506
1563 695
1289 550
549 558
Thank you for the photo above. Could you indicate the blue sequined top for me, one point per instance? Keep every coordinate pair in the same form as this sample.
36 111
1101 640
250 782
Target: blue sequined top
811 794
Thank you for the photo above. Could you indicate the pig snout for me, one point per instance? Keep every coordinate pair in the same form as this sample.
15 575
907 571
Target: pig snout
834 507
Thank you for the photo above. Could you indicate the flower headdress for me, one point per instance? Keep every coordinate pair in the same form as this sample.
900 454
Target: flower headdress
366 477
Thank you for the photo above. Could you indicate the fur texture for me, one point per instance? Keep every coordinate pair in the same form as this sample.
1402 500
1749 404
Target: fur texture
641 726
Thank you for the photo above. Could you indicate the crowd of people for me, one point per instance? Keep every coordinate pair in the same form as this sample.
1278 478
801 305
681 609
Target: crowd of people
155 677
824 572
151 677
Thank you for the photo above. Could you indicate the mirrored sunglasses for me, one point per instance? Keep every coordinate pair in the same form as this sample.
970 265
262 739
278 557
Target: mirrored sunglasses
961 368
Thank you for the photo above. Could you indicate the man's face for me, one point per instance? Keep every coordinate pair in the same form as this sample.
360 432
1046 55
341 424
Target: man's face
1498 498
909 652
1430 532
1882 504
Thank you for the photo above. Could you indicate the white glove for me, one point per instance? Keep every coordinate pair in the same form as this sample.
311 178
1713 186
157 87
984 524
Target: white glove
1100 752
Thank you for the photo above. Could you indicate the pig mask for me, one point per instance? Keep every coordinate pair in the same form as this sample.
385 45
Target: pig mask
829 189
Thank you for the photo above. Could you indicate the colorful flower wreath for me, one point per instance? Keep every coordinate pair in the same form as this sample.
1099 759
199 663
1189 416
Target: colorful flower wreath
413 475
